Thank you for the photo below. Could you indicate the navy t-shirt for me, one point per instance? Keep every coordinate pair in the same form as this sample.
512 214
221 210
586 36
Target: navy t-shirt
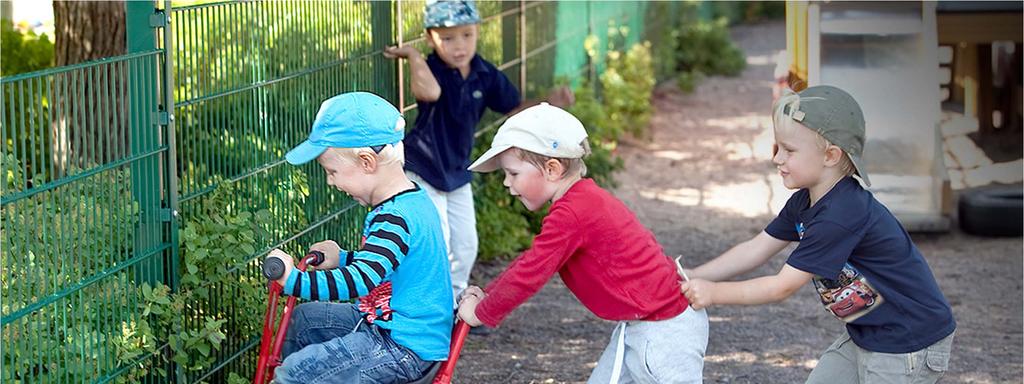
439 147
867 270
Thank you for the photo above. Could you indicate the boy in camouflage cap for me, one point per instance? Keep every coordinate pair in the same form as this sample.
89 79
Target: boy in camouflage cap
453 86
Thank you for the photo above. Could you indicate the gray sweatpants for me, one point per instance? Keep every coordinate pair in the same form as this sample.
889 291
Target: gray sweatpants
666 351
846 363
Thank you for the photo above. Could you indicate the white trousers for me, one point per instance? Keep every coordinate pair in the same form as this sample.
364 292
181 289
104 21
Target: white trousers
669 351
458 221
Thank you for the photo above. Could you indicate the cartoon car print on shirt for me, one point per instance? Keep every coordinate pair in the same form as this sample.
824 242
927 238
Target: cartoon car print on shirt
849 297
852 299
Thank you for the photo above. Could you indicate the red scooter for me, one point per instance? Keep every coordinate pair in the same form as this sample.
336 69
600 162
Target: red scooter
270 346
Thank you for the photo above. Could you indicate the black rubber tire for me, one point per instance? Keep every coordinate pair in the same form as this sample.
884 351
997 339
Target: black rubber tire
992 211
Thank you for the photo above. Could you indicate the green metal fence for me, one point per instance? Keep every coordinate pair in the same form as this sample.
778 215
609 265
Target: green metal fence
140 192
81 220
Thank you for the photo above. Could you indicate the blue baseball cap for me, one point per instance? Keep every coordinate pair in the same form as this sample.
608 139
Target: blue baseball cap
350 120
450 13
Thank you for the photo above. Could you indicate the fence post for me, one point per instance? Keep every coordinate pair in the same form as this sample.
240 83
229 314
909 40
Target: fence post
154 179
142 83
400 36
509 27
522 48
170 178
591 64
382 35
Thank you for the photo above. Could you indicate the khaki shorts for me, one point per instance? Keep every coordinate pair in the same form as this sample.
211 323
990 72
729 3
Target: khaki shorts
845 362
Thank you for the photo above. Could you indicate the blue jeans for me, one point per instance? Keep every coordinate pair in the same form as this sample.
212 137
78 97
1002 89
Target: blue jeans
330 343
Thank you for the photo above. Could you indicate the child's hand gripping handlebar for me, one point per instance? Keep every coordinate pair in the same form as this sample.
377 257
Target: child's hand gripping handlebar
273 334
273 268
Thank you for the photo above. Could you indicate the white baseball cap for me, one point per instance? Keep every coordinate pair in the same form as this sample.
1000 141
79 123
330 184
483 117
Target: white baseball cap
542 129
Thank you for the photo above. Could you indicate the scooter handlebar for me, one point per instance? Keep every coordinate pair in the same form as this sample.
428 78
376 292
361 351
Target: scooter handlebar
273 268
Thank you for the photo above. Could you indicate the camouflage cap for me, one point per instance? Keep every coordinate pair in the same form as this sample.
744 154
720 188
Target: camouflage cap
450 13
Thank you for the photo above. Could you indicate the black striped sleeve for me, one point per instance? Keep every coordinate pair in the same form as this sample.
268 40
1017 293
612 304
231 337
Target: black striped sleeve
389 218
332 287
383 252
386 244
313 286
350 283
393 237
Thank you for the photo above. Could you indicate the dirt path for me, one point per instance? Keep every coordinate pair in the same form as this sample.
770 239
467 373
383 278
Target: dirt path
702 182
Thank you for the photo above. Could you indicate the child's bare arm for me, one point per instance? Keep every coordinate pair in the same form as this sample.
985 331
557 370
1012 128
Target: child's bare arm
741 258
761 290
424 85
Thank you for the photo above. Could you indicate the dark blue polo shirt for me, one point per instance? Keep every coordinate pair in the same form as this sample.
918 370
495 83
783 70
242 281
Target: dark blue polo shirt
439 146
867 270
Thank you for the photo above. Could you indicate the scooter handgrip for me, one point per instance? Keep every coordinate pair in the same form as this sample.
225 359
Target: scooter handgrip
318 258
273 268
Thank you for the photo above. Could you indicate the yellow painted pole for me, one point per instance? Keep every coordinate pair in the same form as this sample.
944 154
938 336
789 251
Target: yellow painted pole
796 43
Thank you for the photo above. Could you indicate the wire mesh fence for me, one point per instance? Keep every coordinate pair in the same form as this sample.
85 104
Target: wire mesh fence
141 191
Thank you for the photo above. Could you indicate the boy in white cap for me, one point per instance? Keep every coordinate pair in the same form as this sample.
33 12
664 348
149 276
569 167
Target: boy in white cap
402 321
865 268
613 265
453 87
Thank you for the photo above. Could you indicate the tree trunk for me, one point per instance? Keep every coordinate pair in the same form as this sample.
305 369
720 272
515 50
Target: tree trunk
88 30
90 120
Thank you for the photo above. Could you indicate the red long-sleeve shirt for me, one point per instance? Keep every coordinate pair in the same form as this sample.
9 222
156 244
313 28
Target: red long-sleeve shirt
611 262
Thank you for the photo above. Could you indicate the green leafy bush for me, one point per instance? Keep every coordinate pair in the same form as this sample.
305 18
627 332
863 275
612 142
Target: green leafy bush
762 10
705 46
52 241
220 292
627 84
503 223
23 52
735 12
663 22
688 80
121 319
690 46
602 162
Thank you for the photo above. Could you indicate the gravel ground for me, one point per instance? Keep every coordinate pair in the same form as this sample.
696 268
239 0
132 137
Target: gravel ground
702 182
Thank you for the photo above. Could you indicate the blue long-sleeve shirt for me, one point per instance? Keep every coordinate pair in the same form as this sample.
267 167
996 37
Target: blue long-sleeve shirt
403 244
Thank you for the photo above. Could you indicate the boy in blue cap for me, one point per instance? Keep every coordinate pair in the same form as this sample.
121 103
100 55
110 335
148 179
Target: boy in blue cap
453 86
402 321
865 267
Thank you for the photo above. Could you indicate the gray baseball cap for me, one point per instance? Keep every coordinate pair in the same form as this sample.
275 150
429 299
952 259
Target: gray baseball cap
837 117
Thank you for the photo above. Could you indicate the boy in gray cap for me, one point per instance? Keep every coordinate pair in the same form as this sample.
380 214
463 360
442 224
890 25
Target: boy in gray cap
865 268
453 86
402 320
